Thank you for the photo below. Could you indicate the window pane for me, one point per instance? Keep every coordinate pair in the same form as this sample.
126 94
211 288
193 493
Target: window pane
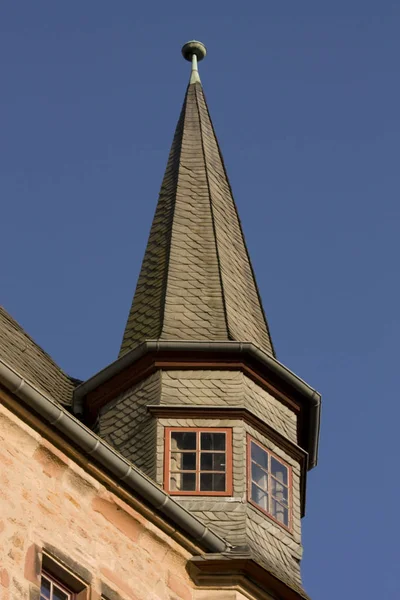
210 482
183 482
212 462
183 440
58 594
259 476
279 470
279 491
45 587
212 441
259 497
183 461
259 456
280 512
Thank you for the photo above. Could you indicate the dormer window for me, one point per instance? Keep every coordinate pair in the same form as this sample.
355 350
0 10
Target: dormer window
269 483
198 461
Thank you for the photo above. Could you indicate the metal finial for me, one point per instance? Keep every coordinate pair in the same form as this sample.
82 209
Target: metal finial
194 51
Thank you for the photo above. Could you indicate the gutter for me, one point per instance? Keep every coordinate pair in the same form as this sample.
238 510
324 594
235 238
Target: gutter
123 471
311 396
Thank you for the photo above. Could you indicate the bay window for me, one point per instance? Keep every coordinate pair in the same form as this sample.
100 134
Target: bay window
269 483
198 461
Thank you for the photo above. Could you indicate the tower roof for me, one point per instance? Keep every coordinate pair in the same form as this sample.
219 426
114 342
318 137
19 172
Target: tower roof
196 281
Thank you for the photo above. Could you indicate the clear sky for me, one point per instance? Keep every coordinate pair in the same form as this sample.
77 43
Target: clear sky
305 99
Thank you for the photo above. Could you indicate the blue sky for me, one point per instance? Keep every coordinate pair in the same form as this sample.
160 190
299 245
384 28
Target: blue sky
305 100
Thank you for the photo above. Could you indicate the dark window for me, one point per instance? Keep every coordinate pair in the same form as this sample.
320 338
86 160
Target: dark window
198 461
52 590
269 483
58 582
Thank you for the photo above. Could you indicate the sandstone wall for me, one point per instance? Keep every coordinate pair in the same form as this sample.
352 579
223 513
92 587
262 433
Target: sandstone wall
49 503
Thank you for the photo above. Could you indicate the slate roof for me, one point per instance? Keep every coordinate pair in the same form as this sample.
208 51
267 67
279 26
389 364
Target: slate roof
23 355
196 281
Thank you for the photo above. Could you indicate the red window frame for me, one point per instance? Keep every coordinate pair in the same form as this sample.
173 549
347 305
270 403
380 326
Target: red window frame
288 527
228 452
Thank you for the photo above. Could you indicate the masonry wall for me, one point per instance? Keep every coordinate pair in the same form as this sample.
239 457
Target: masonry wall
50 503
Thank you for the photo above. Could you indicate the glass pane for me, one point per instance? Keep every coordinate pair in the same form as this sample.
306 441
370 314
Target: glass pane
259 497
212 462
189 461
183 461
279 470
45 587
210 482
259 456
183 440
259 476
280 513
212 441
183 482
279 491
58 594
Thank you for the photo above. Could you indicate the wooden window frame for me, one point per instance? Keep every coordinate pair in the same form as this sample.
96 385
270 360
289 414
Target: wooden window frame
58 583
62 576
228 453
288 527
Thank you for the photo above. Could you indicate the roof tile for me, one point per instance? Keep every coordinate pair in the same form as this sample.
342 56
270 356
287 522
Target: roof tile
196 280
21 353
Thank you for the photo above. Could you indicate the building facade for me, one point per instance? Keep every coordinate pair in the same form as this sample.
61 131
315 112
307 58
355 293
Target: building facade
178 471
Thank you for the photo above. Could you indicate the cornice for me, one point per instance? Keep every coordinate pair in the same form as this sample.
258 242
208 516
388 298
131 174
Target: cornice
244 573
152 355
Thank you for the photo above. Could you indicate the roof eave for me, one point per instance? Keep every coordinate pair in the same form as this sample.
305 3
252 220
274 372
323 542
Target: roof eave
124 472
310 397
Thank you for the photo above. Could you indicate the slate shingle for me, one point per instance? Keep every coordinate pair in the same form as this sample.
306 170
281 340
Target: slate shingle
196 280
23 355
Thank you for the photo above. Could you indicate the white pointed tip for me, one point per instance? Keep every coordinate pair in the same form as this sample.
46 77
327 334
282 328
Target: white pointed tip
194 76
194 51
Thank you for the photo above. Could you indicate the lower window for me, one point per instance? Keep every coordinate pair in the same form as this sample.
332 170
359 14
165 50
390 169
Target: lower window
269 483
198 461
58 582
52 590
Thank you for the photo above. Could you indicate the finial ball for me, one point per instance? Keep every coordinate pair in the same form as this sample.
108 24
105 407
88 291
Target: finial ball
194 47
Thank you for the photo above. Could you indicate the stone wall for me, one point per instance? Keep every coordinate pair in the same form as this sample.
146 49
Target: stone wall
50 504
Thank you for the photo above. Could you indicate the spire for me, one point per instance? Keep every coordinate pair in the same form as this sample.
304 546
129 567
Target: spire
196 281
